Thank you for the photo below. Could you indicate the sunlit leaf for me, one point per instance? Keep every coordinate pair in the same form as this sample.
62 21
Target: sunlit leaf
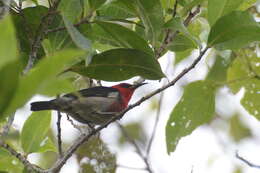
34 131
8 47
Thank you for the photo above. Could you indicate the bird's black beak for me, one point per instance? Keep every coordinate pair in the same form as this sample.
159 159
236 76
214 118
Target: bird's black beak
137 85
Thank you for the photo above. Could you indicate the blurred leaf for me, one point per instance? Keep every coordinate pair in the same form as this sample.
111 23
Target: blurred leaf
219 8
47 145
179 56
125 37
151 14
9 76
181 43
95 4
135 131
81 41
117 9
8 48
195 108
39 77
9 163
121 64
234 31
188 7
238 130
57 86
95 156
176 24
34 131
166 4
246 4
71 9
218 73
242 74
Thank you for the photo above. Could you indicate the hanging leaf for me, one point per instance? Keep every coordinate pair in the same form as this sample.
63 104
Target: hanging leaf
195 108
34 131
121 64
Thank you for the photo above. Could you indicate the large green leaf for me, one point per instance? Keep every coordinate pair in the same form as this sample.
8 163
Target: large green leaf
8 50
181 43
234 31
80 40
71 9
41 75
9 163
243 73
94 4
247 4
34 131
9 75
121 64
195 108
151 14
219 8
125 37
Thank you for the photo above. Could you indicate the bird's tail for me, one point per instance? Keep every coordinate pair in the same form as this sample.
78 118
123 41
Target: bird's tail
43 105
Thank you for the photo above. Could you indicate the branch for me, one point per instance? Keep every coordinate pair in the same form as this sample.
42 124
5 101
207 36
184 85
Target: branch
137 148
26 163
59 134
40 34
7 127
170 35
246 161
85 137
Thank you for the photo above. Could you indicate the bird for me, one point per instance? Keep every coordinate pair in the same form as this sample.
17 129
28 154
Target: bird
95 105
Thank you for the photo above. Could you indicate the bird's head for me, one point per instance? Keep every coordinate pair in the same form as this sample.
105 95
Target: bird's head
126 90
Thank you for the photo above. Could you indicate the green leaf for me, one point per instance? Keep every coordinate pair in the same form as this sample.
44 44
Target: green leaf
166 4
176 24
41 75
9 76
246 4
47 145
188 7
234 31
71 9
243 73
9 163
219 8
181 43
238 130
8 48
121 64
34 131
125 37
151 14
57 86
95 4
179 56
195 108
79 39
218 72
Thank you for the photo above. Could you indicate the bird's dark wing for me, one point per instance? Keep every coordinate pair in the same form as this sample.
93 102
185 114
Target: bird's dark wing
94 92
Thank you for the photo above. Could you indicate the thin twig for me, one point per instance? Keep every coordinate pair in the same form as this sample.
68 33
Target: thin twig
150 142
25 162
175 8
128 167
59 134
7 127
137 148
246 161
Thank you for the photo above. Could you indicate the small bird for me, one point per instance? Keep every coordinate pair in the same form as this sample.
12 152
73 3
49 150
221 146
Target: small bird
95 105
